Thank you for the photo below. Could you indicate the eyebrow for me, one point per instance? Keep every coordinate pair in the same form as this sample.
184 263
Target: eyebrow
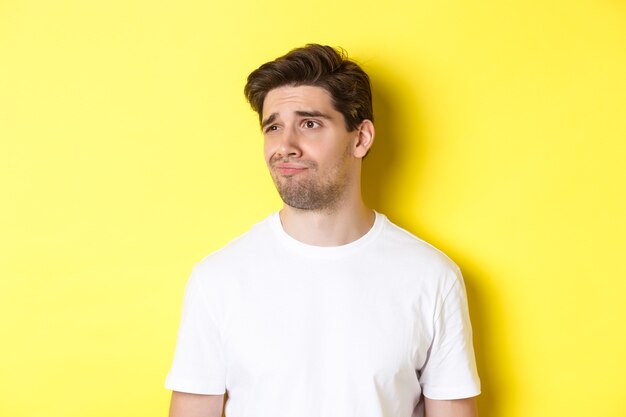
313 114
270 119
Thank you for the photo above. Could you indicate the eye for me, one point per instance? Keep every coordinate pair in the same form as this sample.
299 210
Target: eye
271 128
311 124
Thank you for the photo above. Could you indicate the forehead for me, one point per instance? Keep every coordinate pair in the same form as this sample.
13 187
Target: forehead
303 97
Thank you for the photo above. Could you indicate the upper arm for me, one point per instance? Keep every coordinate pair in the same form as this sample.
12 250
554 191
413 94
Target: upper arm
465 407
196 405
449 370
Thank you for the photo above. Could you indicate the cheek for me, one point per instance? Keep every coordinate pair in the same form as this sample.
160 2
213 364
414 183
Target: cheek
268 151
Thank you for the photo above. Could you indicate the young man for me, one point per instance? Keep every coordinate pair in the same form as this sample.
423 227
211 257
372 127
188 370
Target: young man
325 308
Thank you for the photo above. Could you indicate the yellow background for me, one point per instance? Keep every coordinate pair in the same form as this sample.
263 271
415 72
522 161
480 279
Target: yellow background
127 153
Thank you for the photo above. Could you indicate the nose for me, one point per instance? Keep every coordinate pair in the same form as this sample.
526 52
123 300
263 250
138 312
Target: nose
289 144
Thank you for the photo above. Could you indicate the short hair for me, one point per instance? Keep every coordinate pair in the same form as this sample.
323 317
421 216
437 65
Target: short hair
319 66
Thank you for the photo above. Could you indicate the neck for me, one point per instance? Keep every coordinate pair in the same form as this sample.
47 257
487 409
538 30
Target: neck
335 227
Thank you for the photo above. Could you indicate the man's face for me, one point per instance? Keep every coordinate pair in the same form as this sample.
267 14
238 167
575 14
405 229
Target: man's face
307 147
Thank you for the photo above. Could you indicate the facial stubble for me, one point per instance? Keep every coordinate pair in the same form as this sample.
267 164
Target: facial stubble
312 193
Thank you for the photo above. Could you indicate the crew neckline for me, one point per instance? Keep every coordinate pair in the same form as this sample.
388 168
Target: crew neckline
328 252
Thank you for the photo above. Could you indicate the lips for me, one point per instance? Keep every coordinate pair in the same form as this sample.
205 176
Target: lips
288 168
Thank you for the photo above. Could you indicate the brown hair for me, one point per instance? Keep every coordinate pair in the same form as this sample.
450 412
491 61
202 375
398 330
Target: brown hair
319 66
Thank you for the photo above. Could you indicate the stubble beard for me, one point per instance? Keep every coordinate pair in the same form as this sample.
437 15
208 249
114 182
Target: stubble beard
312 193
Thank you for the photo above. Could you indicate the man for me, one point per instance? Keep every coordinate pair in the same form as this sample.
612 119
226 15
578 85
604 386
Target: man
325 308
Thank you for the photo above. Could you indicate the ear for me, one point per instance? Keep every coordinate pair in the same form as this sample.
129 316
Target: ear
364 139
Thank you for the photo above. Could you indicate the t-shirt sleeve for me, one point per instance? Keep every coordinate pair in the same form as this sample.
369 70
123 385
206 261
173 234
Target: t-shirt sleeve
450 369
198 365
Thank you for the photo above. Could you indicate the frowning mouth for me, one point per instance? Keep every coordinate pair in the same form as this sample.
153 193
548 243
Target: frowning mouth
288 169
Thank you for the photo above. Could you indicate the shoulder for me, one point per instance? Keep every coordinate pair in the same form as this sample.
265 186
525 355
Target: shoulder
239 252
417 262
406 245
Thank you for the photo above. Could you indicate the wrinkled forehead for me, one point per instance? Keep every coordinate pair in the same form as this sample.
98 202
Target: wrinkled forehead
302 95
290 100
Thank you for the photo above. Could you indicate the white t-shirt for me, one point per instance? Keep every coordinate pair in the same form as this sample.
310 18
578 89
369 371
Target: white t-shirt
359 330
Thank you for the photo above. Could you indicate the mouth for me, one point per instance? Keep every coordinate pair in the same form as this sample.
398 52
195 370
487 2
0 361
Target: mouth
289 169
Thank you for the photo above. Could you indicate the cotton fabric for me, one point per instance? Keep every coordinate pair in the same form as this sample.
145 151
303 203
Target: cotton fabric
359 330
